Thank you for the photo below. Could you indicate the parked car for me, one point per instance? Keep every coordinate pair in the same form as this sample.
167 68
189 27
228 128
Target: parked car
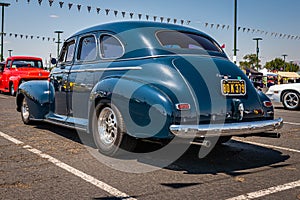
19 69
287 94
126 81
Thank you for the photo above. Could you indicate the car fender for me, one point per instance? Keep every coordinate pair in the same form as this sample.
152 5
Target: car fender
268 111
147 111
15 80
39 96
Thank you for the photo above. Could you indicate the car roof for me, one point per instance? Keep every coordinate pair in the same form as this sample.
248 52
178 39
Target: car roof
122 26
139 37
24 58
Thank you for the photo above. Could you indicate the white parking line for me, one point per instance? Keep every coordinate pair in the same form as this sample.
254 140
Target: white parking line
103 186
292 123
269 146
271 190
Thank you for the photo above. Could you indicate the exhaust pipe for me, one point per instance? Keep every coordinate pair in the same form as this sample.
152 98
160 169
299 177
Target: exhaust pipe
205 143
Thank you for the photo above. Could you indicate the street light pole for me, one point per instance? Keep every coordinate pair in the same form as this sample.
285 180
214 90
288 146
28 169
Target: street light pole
2 30
284 55
58 41
257 50
235 32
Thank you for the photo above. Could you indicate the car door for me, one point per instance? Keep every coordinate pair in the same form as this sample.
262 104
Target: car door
59 78
5 76
81 79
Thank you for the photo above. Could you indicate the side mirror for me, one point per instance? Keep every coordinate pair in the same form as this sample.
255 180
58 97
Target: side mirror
53 61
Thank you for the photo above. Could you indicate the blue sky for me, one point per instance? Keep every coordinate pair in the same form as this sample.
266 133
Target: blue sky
267 16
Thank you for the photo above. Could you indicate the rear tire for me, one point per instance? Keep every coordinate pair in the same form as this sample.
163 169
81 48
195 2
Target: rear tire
109 131
291 100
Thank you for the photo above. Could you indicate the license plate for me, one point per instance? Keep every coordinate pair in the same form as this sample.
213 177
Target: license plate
233 87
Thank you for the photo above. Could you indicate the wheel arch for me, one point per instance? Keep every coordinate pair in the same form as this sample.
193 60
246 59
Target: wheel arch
106 92
19 100
287 90
39 96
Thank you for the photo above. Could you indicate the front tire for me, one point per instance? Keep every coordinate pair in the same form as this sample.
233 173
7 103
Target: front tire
25 112
12 90
291 100
109 131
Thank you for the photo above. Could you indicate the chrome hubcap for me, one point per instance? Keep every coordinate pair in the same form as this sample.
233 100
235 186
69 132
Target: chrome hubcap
107 126
25 110
291 100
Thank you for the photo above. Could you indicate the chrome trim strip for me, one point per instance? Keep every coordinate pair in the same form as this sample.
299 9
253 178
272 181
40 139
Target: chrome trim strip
58 123
230 129
160 56
106 69
61 72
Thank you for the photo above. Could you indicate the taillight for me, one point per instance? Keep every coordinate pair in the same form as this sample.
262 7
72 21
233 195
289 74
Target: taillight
183 106
268 104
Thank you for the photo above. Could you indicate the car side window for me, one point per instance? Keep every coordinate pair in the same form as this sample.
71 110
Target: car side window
111 47
70 52
87 50
8 64
67 53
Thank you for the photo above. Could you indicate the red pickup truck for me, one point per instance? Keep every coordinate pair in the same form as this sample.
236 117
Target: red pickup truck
18 69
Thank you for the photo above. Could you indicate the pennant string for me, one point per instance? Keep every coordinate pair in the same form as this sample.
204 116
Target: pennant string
61 3
107 11
89 8
70 6
78 7
162 19
98 10
50 3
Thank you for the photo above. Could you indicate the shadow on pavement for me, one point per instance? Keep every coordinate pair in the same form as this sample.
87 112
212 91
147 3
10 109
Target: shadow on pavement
233 158
230 158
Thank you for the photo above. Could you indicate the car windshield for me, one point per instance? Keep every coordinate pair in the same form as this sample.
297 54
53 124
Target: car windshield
183 40
27 63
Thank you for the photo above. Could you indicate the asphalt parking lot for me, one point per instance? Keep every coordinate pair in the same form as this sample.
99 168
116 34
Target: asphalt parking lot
42 161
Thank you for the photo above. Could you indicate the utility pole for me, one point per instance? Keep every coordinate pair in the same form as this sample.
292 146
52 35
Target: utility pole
235 32
257 50
58 41
2 30
284 55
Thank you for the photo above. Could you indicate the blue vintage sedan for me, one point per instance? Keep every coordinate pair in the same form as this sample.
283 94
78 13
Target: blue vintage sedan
128 81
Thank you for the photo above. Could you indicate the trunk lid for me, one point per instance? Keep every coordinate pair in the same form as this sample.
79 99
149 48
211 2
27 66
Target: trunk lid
221 91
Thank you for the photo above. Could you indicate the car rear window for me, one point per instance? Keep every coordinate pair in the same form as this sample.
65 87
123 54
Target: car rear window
183 40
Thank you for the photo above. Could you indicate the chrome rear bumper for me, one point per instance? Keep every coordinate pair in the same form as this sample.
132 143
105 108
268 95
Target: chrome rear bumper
230 129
